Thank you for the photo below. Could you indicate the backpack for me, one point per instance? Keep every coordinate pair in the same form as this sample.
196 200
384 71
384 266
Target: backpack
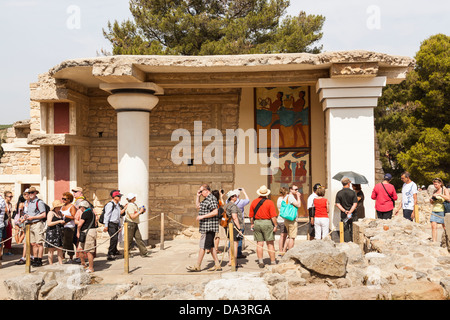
225 220
102 216
47 208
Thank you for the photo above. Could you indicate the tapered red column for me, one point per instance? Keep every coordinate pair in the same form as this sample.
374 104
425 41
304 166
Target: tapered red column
133 103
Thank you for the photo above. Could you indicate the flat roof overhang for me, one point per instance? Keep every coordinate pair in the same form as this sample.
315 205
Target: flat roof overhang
257 70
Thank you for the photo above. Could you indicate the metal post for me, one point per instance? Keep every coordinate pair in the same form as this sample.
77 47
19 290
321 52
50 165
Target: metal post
161 247
126 249
416 213
28 249
341 231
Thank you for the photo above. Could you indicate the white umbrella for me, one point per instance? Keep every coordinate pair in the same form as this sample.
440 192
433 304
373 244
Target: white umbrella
354 177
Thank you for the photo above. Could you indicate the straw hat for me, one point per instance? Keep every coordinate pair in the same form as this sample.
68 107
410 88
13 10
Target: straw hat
57 204
33 189
263 191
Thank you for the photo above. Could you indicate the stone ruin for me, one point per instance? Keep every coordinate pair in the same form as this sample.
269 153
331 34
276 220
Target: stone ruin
391 260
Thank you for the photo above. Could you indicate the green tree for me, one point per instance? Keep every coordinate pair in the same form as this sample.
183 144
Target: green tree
213 27
412 117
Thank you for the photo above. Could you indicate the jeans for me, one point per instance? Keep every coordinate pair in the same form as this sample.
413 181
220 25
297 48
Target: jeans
239 253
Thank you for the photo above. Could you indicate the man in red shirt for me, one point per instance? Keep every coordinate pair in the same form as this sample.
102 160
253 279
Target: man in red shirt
384 195
263 219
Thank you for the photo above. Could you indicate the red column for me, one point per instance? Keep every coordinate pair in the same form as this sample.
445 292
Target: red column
62 170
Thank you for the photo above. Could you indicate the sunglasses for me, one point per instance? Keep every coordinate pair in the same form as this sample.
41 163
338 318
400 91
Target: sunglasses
64 199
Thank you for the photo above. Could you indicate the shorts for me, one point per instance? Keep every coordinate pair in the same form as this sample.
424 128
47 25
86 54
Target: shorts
91 241
437 217
236 235
207 240
37 233
263 230
281 226
407 214
384 215
292 228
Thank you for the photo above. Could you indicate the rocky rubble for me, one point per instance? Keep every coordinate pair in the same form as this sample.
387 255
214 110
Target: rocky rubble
397 261
389 259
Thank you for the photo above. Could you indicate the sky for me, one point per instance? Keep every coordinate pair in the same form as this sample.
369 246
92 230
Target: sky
37 35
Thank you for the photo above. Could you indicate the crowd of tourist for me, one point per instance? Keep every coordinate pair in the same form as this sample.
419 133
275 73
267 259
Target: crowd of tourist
266 221
69 227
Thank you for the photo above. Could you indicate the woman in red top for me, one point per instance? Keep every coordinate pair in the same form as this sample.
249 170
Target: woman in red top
321 220
384 195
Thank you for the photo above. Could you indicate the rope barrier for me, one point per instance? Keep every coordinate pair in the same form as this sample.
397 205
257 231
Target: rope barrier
88 249
20 230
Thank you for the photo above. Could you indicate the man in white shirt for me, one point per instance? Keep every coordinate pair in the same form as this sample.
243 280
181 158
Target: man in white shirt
310 205
409 197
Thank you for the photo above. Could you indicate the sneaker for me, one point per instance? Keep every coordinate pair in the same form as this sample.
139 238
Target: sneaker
37 263
261 265
111 258
20 262
145 255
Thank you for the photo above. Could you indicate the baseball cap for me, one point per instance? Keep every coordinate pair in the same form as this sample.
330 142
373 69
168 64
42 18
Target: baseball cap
388 176
84 204
116 193
131 196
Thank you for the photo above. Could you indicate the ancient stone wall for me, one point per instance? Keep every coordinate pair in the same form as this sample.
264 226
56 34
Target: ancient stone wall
172 187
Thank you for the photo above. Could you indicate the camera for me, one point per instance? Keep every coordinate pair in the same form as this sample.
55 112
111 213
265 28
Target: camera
433 198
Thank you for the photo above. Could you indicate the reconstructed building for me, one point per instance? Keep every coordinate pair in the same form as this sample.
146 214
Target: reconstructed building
153 125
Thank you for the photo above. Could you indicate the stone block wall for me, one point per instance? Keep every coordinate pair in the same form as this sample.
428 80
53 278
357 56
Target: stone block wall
19 162
172 187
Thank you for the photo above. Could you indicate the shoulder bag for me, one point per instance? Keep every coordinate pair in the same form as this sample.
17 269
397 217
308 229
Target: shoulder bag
257 207
288 211
83 233
393 201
